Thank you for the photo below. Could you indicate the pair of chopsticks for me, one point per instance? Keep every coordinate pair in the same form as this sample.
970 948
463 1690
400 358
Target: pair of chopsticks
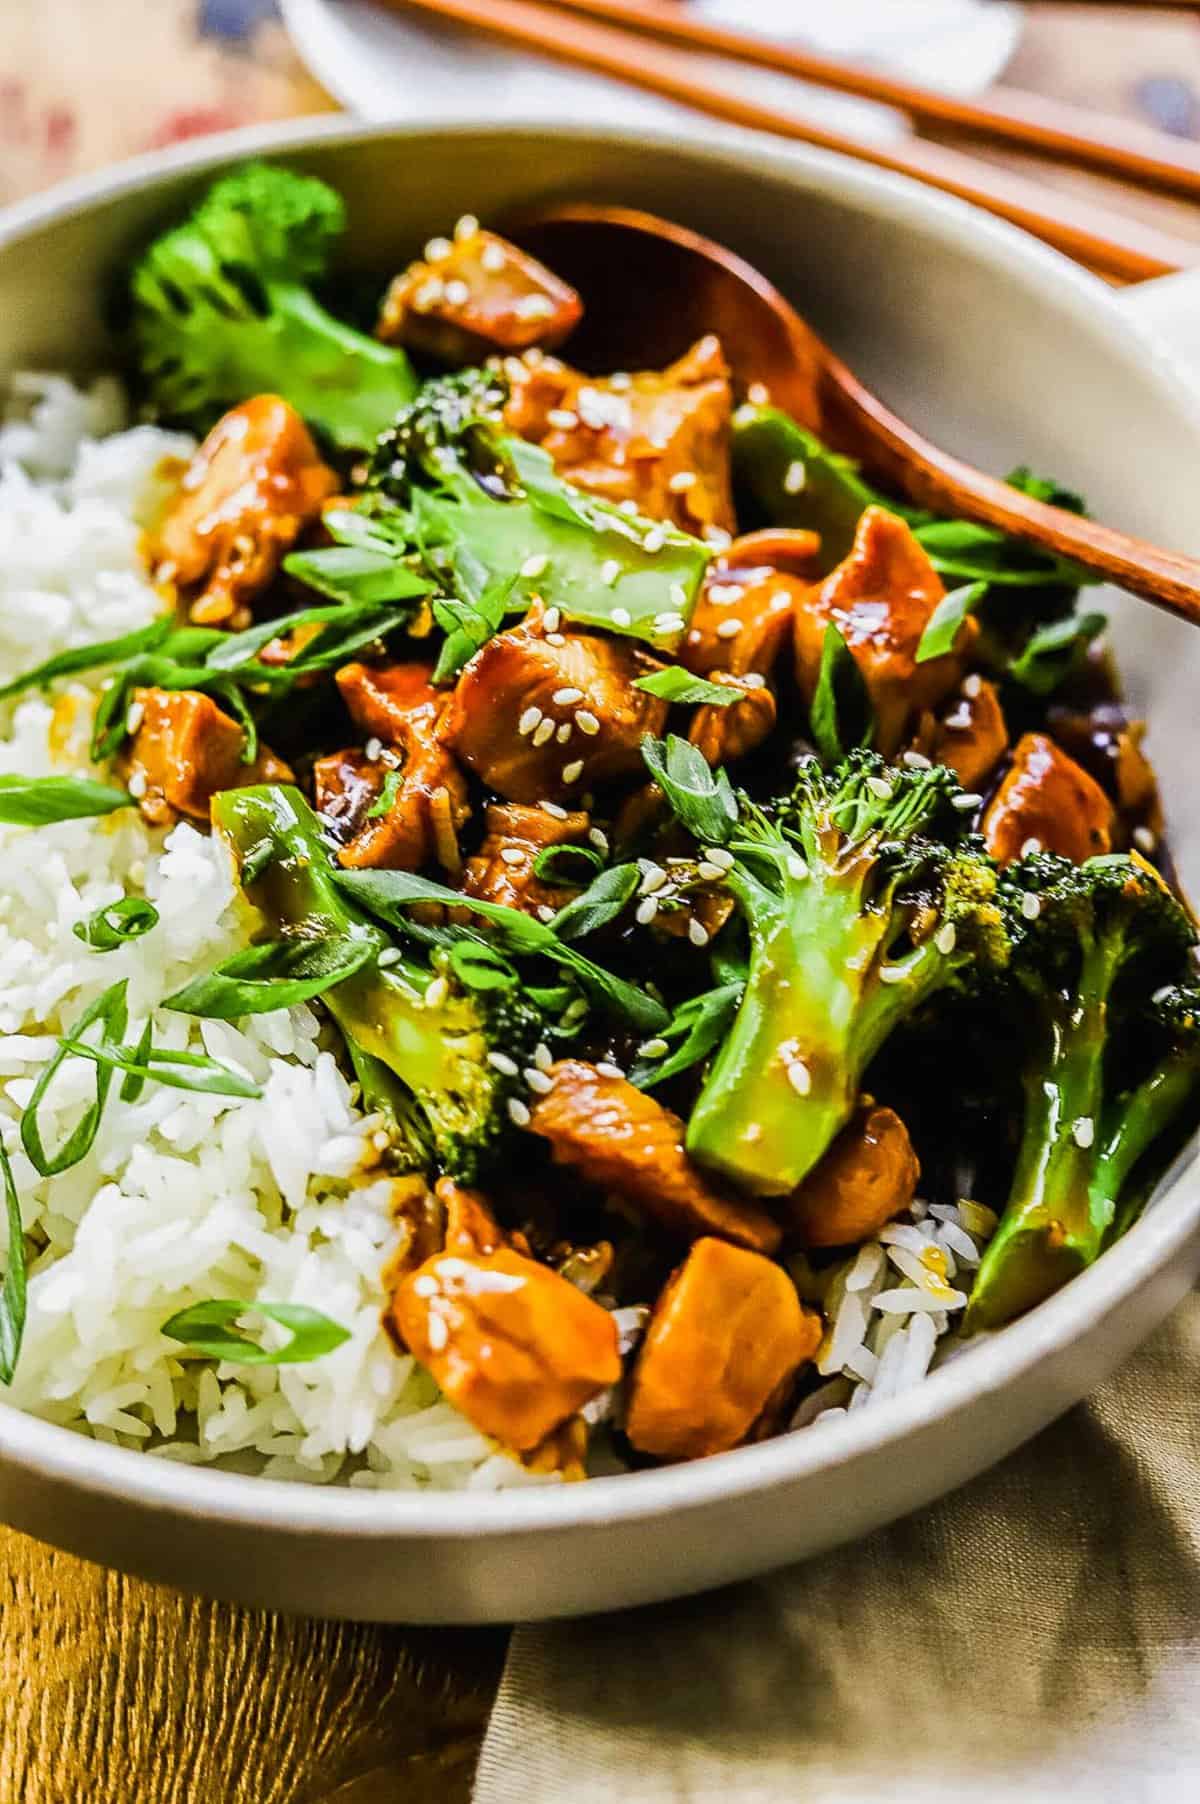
651 44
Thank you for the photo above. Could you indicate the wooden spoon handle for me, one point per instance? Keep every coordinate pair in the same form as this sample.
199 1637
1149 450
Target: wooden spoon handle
860 423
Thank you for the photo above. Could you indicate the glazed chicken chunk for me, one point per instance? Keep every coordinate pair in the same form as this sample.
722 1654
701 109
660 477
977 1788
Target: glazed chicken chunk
624 1141
517 1348
543 716
402 804
184 751
881 599
502 869
726 1334
659 438
476 294
970 735
1047 803
868 1176
251 489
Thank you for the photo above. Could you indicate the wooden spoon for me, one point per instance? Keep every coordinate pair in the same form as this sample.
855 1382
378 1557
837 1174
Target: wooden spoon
651 288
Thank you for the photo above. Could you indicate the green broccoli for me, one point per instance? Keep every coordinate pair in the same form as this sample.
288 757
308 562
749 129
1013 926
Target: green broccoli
417 1031
856 915
1088 941
222 309
496 526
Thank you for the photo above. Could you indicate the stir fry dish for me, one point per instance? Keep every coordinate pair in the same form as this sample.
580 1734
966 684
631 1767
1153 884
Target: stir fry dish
730 903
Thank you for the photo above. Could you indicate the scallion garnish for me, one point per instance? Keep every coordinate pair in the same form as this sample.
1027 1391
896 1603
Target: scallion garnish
117 923
277 975
40 801
207 1329
12 1294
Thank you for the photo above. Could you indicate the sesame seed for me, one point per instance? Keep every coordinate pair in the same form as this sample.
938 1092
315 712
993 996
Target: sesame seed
916 761
717 537
135 716
598 838
391 955
799 1077
428 294
629 507
968 801
537 1080
1030 846
457 293
607 1069
946 938
1083 1131
500 1061
533 306
436 993
527 722
534 566
545 912
753 679
653 1049
655 539
1144 840
436 1331
653 877
720 857
678 595
1031 907
891 974
543 1058
620 380
380 1140
493 258
698 933
555 639
564 418
721 594
545 731
682 481
794 477
137 784
564 732
758 394
573 771
610 570
467 227
621 617
563 698
669 623
729 629
560 814
550 619
711 873
646 911
437 250
959 720
587 723
511 855
880 788
796 866
392 759
972 686
518 1114
372 749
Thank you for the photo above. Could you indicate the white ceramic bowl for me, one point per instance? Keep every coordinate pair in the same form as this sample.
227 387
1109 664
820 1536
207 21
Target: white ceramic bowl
998 348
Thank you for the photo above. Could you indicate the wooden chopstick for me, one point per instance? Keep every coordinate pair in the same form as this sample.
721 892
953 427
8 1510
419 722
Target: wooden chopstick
1122 249
1116 147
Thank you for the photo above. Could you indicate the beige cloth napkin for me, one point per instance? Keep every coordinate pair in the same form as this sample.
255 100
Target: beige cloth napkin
1034 1637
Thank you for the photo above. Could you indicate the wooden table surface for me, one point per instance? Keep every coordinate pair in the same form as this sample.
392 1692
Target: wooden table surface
119 1692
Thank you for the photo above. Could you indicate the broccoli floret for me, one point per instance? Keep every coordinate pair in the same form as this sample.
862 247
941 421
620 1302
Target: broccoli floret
442 1058
222 309
857 914
496 526
1089 941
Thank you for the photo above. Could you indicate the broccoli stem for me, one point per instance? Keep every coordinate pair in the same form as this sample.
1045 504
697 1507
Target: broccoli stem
381 1012
813 1016
1133 1126
1061 1202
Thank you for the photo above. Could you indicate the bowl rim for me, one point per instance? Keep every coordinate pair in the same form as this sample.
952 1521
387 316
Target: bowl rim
61 1454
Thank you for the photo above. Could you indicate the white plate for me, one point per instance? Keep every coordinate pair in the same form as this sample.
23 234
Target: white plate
391 68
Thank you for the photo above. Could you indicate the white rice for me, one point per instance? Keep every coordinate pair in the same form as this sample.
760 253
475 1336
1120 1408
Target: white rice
883 1336
182 1197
